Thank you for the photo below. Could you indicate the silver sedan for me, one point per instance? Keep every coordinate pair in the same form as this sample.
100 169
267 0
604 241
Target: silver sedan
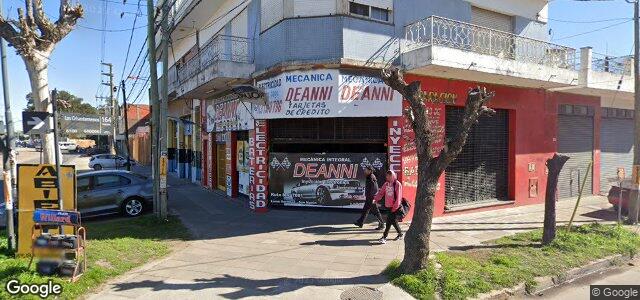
112 192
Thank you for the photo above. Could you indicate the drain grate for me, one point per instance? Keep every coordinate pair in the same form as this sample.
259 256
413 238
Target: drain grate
361 293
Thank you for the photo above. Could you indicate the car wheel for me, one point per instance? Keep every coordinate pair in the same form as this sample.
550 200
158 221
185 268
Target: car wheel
97 167
132 207
323 197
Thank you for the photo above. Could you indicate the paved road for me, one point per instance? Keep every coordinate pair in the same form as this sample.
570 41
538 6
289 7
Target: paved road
625 275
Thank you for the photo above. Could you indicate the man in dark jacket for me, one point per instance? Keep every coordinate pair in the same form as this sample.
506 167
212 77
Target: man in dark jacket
370 190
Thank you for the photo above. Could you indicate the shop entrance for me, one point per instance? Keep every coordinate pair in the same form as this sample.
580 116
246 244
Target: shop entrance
616 146
575 139
221 164
479 173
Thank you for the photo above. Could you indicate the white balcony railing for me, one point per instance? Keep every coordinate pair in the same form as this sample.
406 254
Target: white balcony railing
438 31
219 48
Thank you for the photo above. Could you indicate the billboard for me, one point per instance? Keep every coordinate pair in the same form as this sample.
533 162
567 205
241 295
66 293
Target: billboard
84 124
326 93
322 179
37 190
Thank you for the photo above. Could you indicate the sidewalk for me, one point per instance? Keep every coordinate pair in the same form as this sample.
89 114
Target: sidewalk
301 254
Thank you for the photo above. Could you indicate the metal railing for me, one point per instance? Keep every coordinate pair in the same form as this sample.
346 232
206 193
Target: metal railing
621 65
438 31
219 48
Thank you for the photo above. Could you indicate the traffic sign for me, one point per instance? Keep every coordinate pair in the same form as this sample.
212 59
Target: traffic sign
35 121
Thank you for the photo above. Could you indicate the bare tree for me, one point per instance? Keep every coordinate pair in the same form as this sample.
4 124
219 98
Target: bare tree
430 167
34 37
554 165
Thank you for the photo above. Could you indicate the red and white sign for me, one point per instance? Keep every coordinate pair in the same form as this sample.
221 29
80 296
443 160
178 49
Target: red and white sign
327 93
395 142
229 115
259 172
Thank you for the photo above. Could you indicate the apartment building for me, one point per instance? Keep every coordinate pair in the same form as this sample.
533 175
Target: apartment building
326 113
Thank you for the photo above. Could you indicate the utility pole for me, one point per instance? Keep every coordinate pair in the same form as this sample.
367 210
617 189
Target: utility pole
635 201
126 124
10 142
162 112
155 109
112 144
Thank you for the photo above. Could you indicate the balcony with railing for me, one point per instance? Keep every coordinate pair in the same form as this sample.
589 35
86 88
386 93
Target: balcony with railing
600 73
221 59
437 41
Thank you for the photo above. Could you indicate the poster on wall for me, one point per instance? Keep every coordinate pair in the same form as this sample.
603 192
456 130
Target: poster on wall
228 115
326 93
322 179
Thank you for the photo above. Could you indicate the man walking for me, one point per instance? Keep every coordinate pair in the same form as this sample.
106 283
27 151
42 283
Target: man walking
370 190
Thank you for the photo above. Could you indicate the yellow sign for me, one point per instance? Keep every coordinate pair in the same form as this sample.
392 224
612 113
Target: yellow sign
37 189
163 165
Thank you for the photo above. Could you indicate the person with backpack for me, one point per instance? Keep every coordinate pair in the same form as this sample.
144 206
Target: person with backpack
370 190
391 191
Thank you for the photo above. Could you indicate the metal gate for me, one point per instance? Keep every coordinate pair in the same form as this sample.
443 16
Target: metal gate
616 145
480 171
575 139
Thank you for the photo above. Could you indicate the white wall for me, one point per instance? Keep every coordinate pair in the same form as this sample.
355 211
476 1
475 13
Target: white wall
525 8
228 11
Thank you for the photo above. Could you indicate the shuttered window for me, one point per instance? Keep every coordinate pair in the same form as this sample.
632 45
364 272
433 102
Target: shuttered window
480 171
491 19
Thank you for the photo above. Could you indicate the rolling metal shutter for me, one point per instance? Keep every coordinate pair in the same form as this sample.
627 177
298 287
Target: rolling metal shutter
480 171
575 139
616 146
491 19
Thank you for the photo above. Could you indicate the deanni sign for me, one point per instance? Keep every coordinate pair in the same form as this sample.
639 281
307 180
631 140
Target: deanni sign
327 93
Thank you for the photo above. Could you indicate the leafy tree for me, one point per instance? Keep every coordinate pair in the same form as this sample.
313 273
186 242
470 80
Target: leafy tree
67 103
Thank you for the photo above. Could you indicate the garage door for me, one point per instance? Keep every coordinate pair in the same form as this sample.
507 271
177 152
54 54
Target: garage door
575 139
616 145
480 171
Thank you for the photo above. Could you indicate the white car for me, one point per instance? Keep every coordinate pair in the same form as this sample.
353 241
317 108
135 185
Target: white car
108 161
68 146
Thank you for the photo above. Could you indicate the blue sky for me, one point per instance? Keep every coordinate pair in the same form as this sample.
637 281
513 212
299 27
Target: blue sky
75 64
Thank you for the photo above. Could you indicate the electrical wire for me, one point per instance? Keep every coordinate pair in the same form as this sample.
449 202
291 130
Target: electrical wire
592 31
126 58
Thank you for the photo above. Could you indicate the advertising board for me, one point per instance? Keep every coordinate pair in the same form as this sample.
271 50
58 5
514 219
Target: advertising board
322 179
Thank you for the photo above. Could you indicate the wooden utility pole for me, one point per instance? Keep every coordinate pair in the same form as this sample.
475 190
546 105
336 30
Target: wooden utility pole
114 132
162 113
126 124
634 196
155 109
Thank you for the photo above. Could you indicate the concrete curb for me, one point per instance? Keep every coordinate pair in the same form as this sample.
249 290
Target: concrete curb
549 282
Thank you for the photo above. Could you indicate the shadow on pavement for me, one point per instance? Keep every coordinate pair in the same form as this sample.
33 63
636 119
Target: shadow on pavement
249 287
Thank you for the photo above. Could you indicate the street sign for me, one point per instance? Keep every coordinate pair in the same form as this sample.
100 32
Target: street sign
37 189
35 121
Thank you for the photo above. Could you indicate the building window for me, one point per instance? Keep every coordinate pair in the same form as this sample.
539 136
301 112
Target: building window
370 12
380 14
359 9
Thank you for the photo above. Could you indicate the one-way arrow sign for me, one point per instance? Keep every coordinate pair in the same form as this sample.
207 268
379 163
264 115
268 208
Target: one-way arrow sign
35 121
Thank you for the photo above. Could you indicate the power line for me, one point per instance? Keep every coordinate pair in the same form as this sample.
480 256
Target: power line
592 31
126 58
110 30
587 22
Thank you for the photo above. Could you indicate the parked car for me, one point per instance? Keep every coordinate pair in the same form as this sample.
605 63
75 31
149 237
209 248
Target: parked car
68 146
113 192
325 192
108 161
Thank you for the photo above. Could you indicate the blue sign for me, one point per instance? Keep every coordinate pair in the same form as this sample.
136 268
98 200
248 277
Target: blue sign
58 217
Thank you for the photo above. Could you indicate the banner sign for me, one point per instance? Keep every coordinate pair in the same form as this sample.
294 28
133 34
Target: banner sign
37 190
230 115
322 179
258 160
57 217
85 124
327 93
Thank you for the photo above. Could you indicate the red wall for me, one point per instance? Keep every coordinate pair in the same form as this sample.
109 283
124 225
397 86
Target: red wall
532 133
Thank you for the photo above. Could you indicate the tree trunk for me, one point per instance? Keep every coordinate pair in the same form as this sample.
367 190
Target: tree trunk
554 165
38 70
416 242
